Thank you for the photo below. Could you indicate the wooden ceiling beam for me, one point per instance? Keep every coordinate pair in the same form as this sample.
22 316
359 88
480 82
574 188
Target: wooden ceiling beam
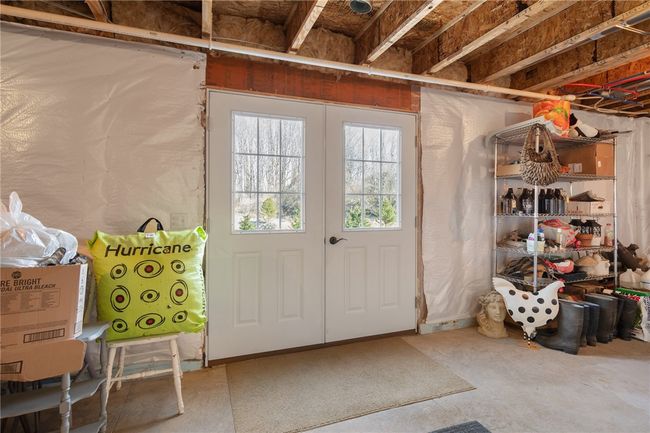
98 10
301 21
449 24
584 61
553 36
372 20
395 21
494 22
206 19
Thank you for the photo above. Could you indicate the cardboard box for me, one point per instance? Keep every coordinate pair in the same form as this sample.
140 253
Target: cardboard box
36 362
589 207
596 159
509 170
39 305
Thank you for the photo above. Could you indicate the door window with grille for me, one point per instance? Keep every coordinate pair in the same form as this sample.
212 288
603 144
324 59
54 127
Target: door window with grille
372 177
267 173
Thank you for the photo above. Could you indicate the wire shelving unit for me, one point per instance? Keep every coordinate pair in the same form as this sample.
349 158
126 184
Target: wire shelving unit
511 138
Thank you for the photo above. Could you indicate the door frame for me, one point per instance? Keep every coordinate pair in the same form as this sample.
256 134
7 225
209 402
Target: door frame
419 302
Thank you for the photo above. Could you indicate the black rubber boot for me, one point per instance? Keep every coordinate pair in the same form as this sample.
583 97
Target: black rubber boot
616 313
594 314
626 322
569 331
585 325
607 315
619 311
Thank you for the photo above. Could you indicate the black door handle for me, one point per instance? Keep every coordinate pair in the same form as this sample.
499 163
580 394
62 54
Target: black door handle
334 240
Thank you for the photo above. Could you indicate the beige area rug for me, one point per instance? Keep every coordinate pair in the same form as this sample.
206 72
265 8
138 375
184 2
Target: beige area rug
298 391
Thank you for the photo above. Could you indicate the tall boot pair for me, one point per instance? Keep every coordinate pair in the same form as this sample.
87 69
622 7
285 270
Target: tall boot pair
571 321
608 316
590 324
627 311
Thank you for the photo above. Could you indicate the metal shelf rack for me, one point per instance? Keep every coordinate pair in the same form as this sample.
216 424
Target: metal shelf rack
521 251
546 281
565 177
515 136
557 215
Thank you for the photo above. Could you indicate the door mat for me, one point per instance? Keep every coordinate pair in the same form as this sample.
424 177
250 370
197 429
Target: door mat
298 391
466 427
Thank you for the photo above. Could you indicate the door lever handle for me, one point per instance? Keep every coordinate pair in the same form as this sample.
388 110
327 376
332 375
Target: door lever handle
334 240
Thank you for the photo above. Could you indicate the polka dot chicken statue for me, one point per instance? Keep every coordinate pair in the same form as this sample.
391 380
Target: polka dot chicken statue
529 310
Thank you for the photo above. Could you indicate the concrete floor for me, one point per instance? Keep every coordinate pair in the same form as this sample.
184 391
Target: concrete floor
603 389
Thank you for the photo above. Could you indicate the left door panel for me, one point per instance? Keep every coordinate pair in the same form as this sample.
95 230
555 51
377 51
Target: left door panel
265 250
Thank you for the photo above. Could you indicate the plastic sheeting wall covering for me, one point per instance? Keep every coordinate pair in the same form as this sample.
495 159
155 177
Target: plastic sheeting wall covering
457 175
101 134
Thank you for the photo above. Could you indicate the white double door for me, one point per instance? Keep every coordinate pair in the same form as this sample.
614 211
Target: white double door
311 224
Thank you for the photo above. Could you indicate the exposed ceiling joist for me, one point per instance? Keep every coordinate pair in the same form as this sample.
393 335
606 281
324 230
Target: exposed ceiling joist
301 21
372 20
491 23
72 23
550 38
206 19
398 18
98 10
449 24
584 61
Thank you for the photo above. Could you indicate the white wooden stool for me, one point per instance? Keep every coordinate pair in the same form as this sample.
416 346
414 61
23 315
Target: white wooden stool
113 347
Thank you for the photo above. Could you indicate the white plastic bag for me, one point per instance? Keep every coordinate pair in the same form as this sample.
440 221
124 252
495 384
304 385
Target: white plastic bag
24 240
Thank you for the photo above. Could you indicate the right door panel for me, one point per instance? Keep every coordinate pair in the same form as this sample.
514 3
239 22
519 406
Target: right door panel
370 223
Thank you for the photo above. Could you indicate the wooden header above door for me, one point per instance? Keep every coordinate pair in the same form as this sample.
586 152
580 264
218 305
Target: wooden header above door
282 80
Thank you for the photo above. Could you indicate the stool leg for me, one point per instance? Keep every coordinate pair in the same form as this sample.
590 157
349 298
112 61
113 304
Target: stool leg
120 368
176 368
65 405
109 372
103 355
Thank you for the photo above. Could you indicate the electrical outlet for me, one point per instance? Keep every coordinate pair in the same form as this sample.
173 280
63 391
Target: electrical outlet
178 221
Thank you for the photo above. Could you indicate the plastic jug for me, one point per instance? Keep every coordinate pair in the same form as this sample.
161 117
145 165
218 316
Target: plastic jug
630 279
645 280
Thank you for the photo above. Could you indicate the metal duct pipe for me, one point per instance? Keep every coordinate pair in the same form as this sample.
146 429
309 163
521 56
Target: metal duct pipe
265 54
360 6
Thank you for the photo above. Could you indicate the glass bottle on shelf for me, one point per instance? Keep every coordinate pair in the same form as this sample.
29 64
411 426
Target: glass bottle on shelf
548 201
517 194
527 203
509 203
540 201
559 194
557 198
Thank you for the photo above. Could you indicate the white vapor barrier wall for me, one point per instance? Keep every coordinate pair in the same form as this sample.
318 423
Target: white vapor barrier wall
100 134
457 175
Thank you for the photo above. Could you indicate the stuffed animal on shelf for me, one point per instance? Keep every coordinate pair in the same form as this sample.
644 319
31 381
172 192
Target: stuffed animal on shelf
529 310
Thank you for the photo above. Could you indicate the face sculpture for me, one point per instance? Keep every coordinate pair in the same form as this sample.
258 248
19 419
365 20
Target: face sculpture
493 313
496 310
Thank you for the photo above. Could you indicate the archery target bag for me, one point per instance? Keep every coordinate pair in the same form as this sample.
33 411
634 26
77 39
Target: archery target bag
150 283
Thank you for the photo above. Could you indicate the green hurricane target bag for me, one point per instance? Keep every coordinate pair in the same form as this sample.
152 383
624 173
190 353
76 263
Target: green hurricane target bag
150 283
